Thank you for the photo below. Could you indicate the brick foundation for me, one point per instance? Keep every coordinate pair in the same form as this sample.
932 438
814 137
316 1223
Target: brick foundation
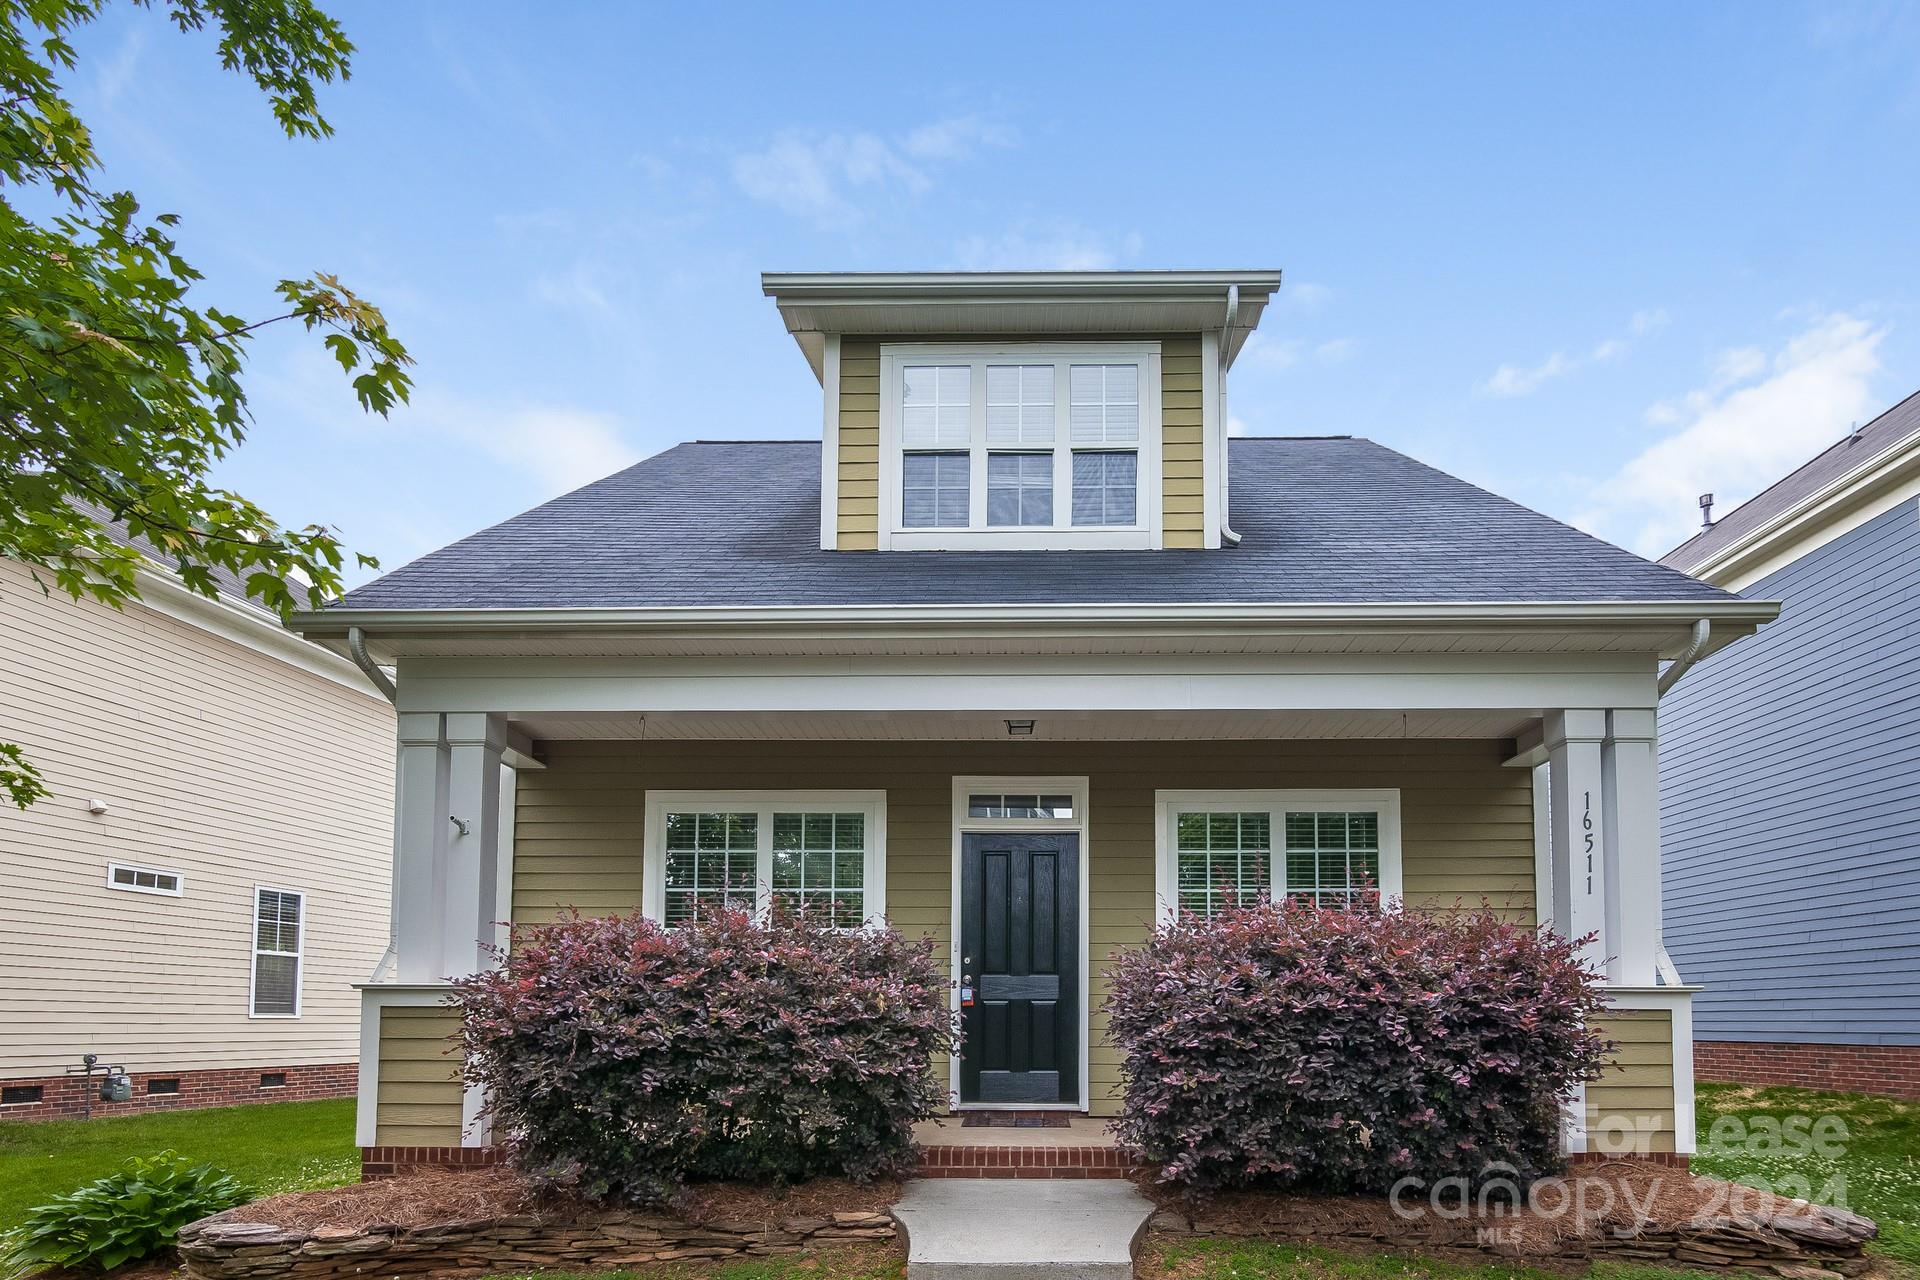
63 1097
1889 1069
1671 1159
392 1162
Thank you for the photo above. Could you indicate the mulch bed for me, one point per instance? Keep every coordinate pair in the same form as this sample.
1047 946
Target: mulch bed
1624 1209
424 1199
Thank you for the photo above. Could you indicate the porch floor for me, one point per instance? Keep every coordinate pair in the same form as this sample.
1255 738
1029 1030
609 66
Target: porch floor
946 1131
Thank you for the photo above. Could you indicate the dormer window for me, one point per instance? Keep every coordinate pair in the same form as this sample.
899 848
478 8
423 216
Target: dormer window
1019 445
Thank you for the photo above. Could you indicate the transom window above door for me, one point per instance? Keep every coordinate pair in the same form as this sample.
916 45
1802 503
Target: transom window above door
765 852
1217 848
1019 446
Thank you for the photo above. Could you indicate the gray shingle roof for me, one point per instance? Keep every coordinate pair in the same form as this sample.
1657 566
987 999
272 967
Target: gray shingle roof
1881 436
738 524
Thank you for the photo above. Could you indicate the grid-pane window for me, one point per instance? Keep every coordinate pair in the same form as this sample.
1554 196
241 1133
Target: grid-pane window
144 880
1222 858
1020 489
1019 404
1105 488
1027 447
1104 403
711 860
1332 856
1019 806
934 490
820 866
278 922
934 406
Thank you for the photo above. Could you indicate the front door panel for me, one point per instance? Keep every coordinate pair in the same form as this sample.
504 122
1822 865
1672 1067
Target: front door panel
1020 954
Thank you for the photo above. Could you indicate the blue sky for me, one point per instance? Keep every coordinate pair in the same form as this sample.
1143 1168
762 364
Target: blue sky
1595 257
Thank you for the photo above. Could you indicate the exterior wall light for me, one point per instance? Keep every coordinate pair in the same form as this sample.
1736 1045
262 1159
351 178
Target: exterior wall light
1020 728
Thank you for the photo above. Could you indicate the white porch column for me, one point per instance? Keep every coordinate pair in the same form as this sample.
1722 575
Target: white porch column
420 831
1632 846
1573 740
475 744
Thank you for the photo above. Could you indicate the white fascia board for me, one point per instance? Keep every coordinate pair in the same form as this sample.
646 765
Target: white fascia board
248 626
816 285
1884 481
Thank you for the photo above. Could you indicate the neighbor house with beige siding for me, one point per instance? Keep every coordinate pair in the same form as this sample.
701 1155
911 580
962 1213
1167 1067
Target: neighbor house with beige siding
210 876
1025 654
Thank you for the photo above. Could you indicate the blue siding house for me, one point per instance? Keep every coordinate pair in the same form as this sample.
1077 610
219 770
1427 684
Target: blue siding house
1790 780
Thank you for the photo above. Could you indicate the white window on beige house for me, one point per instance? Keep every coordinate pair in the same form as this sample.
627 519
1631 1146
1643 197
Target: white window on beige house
279 925
1214 848
766 852
1020 446
130 879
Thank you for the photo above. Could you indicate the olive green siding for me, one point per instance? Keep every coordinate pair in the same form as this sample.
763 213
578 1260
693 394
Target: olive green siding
859 461
1467 822
1183 477
420 1092
1630 1108
1182 449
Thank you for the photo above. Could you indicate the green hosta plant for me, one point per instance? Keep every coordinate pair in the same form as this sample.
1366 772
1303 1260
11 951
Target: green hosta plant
124 1217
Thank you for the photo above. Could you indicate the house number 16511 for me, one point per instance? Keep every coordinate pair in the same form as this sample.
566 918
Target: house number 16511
1586 825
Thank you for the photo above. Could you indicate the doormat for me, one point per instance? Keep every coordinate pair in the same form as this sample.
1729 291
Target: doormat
1014 1120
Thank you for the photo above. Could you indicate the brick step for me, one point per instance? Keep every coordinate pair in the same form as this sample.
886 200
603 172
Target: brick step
1021 1162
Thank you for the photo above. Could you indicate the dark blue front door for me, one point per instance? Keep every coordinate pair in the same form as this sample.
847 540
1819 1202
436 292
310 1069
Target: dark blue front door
1020 956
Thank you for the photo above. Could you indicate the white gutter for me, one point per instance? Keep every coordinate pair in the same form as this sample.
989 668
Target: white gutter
337 621
1702 632
1227 534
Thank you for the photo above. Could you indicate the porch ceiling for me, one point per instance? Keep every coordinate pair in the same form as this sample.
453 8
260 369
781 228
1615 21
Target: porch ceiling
985 725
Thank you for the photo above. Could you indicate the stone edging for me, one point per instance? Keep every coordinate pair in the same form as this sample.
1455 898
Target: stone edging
213 1249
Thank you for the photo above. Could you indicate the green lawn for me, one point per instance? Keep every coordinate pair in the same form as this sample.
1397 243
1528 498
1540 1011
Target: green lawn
1875 1167
273 1147
1244 1260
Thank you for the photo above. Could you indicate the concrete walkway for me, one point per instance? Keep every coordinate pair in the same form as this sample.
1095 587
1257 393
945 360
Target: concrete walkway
1021 1229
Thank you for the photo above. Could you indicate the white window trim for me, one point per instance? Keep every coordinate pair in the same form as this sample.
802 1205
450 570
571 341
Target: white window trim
872 805
1384 801
1145 535
964 787
179 880
254 953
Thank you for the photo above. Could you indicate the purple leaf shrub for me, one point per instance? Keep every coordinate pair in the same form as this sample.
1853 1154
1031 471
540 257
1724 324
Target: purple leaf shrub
627 1060
1340 1048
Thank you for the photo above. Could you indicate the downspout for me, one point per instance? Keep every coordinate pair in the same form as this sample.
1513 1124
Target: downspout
1680 665
1227 535
357 649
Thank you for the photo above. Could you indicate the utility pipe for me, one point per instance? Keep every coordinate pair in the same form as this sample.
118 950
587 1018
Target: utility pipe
1227 535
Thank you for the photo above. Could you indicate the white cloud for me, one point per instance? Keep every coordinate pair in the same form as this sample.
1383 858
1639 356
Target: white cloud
830 177
1056 246
1304 296
1513 380
558 447
1757 418
1263 351
1335 350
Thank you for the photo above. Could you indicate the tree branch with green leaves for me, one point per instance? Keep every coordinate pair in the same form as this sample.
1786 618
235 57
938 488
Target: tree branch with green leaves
119 394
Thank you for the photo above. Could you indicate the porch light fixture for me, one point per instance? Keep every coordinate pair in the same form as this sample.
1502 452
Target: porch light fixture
1020 728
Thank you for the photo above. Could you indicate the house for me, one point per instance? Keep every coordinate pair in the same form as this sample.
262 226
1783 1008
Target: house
1022 653
1790 779
211 873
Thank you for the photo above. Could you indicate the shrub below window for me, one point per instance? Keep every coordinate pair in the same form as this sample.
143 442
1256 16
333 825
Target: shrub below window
627 1059
1342 1048
124 1217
